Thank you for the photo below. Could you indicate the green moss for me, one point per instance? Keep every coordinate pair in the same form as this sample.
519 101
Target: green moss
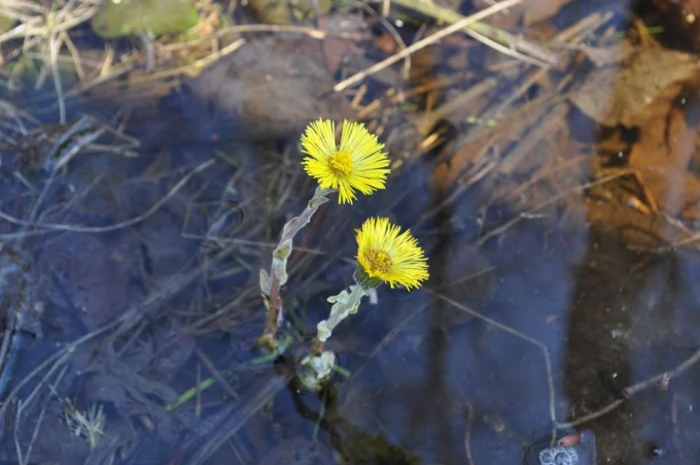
156 17
6 23
288 11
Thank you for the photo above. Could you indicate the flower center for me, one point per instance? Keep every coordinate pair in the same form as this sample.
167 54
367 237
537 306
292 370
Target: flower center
341 163
379 261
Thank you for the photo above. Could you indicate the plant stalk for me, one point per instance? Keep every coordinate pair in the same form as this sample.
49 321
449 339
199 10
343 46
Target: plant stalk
270 284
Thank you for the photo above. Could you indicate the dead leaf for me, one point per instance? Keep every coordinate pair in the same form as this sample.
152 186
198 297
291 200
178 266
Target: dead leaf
273 88
683 18
630 80
662 157
288 11
541 10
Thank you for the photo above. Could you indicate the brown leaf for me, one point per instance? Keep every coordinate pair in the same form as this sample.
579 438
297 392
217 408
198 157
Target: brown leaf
274 88
629 81
540 10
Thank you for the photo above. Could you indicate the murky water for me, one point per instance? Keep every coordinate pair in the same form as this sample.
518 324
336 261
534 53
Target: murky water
558 300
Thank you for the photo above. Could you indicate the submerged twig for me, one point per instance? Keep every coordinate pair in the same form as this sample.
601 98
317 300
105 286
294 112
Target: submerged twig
39 421
98 229
514 332
492 36
216 374
469 20
313 33
228 423
128 319
528 214
629 391
149 52
468 434
55 43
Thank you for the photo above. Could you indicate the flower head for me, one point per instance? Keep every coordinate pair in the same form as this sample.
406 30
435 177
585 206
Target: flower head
357 164
387 255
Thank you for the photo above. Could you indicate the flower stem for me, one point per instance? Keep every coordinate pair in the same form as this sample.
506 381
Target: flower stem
344 304
271 283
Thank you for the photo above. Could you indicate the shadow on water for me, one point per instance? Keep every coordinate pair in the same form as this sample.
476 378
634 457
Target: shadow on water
551 306
628 323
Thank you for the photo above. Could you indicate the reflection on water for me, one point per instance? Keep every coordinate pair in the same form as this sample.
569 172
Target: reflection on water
559 226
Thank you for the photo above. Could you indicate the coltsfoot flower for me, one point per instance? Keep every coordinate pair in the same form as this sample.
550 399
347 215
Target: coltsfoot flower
358 163
385 254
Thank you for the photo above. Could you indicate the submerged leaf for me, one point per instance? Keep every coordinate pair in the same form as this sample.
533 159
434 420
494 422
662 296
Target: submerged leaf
287 11
126 17
628 80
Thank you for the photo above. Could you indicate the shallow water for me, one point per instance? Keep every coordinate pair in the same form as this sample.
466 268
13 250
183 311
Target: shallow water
566 318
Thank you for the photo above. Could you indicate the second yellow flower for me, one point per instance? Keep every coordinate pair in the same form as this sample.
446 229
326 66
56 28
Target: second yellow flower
387 254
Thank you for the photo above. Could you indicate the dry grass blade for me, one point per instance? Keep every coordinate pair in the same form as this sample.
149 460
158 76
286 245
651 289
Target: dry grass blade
459 25
126 322
635 389
259 395
35 18
491 36
531 212
193 69
20 410
114 227
88 424
239 29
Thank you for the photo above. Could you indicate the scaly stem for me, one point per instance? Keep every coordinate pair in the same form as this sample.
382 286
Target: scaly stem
316 367
344 304
271 283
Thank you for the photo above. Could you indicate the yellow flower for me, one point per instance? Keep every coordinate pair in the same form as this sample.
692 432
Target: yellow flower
389 256
357 164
